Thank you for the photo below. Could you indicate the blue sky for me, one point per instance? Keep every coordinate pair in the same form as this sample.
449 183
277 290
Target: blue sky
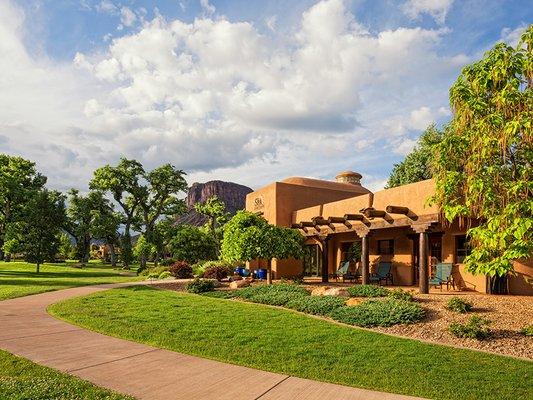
250 91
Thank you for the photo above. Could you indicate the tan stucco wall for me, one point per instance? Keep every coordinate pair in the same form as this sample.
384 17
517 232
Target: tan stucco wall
413 196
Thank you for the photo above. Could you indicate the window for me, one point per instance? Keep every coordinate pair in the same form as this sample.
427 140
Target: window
462 248
386 247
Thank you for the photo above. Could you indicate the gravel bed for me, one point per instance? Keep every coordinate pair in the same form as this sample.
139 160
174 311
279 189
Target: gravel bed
508 315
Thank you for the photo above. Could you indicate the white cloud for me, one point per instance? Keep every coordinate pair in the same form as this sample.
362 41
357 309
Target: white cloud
437 9
127 16
107 7
208 8
217 95
512 36
271 22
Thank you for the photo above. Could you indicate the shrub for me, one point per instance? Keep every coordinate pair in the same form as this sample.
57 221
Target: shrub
459 305
200 286
380 313
167 262
367 291
217 270
181 270
165 275
475 328
527 330
317 305
276 295
400 294
153 275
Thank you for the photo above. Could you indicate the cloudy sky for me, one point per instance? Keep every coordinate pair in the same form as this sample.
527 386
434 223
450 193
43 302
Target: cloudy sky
243 90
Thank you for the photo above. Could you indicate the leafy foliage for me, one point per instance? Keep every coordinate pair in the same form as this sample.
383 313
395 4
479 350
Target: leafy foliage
416 166
44 215
192 244
459 305
380 313
200 286
483 164
475 328
142 248
181 270
367 291
275 295
316 305
19 180
527 330
400 294
247 236
215 210
218 270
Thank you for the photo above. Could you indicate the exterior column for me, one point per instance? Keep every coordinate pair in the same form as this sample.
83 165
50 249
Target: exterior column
325 250
365 262
423 263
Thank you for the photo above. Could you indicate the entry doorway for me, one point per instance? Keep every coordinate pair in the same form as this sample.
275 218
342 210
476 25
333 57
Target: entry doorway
313 260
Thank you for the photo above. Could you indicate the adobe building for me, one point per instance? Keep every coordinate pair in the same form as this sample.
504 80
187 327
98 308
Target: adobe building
395 225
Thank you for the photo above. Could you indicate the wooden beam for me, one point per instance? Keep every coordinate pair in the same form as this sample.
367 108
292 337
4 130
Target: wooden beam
397 210
354 217
370 213
296 226
337 220
307 224
320 221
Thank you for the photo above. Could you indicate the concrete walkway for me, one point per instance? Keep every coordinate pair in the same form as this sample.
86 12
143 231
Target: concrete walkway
145 372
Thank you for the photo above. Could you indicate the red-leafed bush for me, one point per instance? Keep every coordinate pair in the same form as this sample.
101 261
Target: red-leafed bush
218 272
181 270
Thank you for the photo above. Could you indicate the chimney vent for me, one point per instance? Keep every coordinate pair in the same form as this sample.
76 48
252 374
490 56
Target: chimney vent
353 178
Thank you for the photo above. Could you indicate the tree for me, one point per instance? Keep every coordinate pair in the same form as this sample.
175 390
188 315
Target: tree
87 219
65 248
44 215
122 182
416 166
483 165
215 210
192 244
104 226
18 181
248 236
143 196
158 198
143 248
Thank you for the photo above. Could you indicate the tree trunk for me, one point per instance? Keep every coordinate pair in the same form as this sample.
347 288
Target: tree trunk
126 247
157 257
144 259
38 267
113 255
269 272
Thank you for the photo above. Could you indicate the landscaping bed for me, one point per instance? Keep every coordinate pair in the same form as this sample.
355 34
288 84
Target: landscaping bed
508 315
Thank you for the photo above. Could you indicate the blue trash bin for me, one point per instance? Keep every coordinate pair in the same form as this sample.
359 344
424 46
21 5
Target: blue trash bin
262 273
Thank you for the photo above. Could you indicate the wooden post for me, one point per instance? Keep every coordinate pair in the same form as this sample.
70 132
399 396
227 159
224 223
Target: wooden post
365 263
269 272
325 250
423 263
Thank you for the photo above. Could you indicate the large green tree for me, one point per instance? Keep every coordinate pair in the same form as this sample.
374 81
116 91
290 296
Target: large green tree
483 165
19 180
248 236
192 244
87 219
123 183
215 211
416 166
143 196
44 215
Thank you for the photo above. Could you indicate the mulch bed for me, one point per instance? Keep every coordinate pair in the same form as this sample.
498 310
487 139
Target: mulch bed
508 315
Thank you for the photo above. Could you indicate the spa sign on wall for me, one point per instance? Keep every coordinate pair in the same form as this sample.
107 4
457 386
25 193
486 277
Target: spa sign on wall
259 203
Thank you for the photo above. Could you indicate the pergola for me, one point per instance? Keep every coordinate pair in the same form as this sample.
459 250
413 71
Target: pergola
363 224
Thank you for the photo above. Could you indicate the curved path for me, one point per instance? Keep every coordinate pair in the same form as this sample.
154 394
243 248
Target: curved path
145 372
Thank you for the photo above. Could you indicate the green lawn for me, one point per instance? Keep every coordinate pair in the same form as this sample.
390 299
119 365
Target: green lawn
21 379
287 342
20 279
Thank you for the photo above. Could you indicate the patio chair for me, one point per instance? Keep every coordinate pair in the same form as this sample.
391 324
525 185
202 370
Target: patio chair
443 275
383 273
342 271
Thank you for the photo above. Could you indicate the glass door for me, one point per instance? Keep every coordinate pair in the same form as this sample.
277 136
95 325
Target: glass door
313 260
